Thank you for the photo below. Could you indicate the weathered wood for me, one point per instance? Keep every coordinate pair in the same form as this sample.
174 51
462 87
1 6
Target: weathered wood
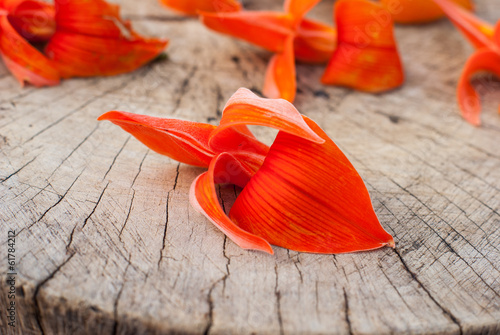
108 243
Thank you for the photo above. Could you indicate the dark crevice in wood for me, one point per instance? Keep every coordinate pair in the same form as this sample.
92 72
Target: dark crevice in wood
346 313
176 176
183 87
210 314
18 170
415 278
128 215
140 169
61 197
277 293
296 261
165 228
115 303
36 302
95 207
116 156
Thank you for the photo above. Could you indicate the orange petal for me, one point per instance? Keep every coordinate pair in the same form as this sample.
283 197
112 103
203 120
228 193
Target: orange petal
34 20
184 141
192 7
280 74
204 199
91 40
366 58
477 31
299 8
96 18
245 108
85 56
308 197
420 11
268 30
468 99
25 62
314 42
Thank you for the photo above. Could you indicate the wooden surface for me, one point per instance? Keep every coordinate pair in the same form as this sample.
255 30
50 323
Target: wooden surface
107 242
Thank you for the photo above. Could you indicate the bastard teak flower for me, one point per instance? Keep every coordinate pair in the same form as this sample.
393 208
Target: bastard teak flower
193 7
363 54
486 39
84 38
301 193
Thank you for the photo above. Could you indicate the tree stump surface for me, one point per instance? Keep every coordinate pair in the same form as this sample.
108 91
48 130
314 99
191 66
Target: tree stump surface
107 242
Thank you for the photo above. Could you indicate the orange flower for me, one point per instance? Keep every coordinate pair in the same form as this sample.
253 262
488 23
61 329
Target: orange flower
366 57
418 11
486 39
291 37
22 20
301 193
92 40
192 7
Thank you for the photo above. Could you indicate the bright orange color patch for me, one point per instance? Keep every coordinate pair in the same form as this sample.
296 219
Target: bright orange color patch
418 11
366 57
486 39
193 7
92 40
302 193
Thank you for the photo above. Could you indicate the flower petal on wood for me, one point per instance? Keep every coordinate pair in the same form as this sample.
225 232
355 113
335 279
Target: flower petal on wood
204 199
299 8
483 60
366 57
280 79
268 30
193 7
86 56
308 197
246 108
184 141
25 62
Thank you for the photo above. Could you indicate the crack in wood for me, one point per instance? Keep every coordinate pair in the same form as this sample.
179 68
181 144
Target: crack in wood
18 170
347 312
95 207
36 300
277 294
415 278
116 156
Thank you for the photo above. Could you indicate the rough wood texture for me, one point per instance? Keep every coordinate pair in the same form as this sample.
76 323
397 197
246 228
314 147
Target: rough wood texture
108 243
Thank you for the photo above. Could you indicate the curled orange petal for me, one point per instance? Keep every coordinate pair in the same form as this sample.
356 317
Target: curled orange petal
314 42
224 169
184 141
269 30
308 197
280 79
419 11
25 62
245 108
366 57
193 7
478 32
483 60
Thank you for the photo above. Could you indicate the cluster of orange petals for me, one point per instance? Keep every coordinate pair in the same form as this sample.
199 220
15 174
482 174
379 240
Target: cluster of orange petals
361 52
486 39
301 193
83 38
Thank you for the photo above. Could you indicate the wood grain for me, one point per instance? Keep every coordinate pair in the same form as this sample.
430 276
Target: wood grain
107 242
